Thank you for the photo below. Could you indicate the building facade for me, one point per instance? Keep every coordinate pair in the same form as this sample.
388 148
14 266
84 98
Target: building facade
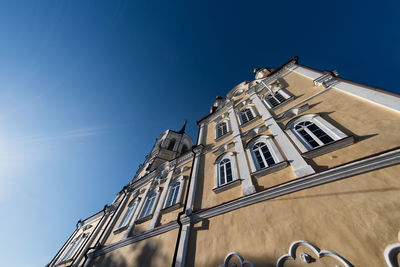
296 167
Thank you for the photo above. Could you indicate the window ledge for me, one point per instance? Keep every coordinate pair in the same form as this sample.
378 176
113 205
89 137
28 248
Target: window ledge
270 169
222 136
171 208
329 147
120 229
141 220
227 186
250 121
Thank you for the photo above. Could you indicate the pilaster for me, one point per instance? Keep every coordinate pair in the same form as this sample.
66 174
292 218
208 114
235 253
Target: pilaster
244 171
299 165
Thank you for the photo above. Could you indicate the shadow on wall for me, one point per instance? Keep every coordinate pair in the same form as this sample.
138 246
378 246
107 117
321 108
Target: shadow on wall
148 255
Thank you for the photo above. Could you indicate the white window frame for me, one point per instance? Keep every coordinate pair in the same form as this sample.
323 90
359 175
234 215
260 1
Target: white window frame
217 127
155 191
72 248
126 217
252 110
283 93
180 180
299 140
276 155
232 158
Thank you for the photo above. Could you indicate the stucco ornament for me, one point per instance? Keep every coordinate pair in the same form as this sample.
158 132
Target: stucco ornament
391 254
236 255
341 262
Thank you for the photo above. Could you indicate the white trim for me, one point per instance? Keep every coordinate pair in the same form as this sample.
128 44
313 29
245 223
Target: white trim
363 92
391 253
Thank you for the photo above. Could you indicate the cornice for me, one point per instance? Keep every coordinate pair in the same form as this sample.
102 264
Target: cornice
156 231
383 160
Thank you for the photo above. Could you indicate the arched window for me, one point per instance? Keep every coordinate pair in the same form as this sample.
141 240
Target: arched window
263 156
225 169
312 134
171 144
148 207
222 129
264 153
246 115
277 98
173 194
311 131
128 214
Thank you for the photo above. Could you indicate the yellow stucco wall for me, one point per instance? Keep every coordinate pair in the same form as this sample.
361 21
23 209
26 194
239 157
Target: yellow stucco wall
155 251
355 217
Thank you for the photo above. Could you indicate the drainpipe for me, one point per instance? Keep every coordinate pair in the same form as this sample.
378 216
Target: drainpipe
178 219
99 242
98 226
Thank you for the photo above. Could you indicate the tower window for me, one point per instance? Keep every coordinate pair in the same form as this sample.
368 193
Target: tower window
171 144
222 129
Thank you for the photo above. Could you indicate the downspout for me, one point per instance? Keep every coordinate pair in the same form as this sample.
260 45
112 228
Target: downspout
105 229
178 219
97 226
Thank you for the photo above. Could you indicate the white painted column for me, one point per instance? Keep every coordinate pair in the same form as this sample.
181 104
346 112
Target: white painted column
299 165
195 171
183 242
160 203
138 208
244 171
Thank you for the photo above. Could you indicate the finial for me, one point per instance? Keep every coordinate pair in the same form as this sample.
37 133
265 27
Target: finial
182 131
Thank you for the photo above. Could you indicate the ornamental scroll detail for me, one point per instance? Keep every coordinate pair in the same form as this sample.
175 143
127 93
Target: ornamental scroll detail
318 253
391 254
234 256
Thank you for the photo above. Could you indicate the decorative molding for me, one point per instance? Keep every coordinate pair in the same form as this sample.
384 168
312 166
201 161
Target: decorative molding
327 80
391 254
308 258
239 257
222 148
293 112
383 160
254 132
358 90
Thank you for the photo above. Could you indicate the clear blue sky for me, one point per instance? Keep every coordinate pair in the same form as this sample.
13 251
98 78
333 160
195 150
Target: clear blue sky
87 86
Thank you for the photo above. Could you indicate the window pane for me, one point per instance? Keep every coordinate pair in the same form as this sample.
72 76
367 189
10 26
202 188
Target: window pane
320 134
259 159
267 155
228 172
308 138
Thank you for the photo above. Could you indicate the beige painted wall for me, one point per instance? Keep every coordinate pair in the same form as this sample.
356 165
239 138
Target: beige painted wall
356 217
155 251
